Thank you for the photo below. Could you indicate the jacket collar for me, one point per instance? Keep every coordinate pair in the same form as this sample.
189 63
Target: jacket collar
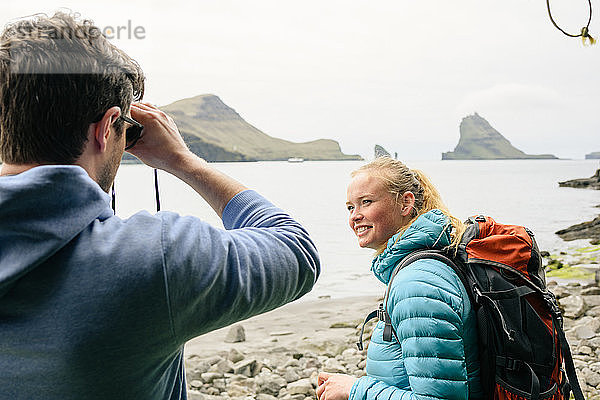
429 231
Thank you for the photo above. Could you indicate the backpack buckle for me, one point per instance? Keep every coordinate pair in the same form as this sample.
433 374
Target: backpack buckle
510 364
381 314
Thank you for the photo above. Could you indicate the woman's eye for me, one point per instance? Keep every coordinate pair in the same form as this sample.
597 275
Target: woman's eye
350 208
365 201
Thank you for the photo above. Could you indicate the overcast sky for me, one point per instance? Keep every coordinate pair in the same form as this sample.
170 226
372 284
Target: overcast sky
397 73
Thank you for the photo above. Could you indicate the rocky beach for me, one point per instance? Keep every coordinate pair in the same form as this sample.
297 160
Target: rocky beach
278 355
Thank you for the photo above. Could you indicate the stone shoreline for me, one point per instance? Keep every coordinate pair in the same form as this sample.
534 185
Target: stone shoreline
284 349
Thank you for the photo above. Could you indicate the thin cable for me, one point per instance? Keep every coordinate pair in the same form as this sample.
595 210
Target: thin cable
156 190
113 198
584 31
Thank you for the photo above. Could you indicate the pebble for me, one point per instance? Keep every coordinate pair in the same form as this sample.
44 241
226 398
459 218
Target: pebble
236 334
281 333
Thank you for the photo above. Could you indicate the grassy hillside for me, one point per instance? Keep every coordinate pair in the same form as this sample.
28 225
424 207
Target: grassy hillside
216 132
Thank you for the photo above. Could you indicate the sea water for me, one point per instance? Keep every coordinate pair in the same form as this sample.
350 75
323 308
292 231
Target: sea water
524 192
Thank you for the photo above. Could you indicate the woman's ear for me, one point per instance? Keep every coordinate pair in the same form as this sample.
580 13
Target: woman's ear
407 203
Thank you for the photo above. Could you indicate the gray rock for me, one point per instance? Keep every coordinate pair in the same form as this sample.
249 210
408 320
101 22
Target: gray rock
588 331
209 377
293 397
574 306
223 366
245 367
302 386
195 395
349 353
213 360
591 378
592 300
308 372
291 375
270 383
594 342
235 356
593 312
264 396
354 360
333 365
561 292
196 384
201 366
236 334
236 390
584 230
220 384
191 360
281 333
311 363
212 391
292 363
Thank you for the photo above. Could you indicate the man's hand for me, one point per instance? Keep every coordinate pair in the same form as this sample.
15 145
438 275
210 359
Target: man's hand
161 145
334 386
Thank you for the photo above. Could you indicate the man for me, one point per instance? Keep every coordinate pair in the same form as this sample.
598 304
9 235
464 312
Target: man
91 305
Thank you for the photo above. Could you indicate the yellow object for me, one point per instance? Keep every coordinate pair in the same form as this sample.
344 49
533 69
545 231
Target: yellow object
586 35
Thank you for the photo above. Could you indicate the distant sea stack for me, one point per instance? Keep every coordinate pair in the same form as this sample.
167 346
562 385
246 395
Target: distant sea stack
216 132
379 151
593 156
480 141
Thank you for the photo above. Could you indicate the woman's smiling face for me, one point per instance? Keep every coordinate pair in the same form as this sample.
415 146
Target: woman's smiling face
374 214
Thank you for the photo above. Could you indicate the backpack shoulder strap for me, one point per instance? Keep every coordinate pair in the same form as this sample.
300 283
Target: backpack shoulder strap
439 255
557 321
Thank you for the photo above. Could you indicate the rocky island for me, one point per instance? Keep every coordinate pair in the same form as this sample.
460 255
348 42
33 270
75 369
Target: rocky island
480 141
588 229
593 156
216 132
592 182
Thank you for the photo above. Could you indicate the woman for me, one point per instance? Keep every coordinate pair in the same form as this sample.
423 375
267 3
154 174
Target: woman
396 211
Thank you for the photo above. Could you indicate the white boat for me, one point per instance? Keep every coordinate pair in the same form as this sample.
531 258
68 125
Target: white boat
295 159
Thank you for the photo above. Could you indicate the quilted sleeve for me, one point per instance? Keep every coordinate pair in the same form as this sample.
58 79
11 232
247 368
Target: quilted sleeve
371 388
425 305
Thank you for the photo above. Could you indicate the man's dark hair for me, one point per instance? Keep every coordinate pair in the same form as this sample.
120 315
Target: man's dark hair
58 75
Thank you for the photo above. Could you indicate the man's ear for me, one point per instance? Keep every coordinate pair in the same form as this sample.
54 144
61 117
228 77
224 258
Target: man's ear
102 131
407 202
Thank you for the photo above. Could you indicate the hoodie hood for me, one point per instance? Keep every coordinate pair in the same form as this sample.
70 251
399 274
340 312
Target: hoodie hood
429 231
41 210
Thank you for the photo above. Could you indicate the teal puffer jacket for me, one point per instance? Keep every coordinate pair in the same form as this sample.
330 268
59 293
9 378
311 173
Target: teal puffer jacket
433 318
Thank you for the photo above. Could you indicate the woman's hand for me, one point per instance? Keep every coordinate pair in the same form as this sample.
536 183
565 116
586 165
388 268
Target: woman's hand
334 386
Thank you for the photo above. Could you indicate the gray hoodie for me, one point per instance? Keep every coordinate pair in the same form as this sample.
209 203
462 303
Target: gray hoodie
95 306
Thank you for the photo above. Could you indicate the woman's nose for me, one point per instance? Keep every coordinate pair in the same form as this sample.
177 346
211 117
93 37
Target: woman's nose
355 216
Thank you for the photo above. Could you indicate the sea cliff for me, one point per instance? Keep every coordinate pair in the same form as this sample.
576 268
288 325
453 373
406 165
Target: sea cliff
216 132
480 141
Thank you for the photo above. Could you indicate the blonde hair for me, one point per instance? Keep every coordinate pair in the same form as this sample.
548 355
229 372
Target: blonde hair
399 179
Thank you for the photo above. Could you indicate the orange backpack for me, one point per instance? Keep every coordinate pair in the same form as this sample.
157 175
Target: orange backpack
522 345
